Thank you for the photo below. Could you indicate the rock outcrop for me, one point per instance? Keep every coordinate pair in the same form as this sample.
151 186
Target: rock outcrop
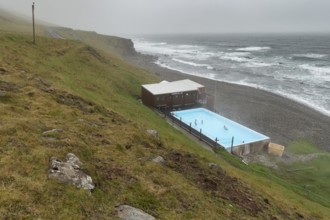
159 159
69 172
153 133
126 212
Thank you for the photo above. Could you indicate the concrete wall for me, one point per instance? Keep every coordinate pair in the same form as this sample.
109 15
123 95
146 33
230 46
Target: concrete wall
251 148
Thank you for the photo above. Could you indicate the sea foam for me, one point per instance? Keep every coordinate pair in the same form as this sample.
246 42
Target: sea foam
258 64
253 49
193 64
323 72
311 55
236 56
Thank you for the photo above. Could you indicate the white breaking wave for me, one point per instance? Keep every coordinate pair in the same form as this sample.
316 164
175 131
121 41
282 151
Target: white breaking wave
164 48
243 57
311 55
205 75
193 64
305 101
188 46
322 72
159 44
253 49
236 56
191 52
308 101
198 55
258 64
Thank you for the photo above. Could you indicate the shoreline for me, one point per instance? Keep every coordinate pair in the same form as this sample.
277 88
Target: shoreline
278 117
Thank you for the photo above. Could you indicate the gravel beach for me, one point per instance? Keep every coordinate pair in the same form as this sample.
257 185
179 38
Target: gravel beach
281 119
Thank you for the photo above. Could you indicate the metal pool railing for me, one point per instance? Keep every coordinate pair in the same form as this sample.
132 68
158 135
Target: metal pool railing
198 133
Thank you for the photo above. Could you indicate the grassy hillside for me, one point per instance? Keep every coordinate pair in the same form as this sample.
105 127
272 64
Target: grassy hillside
13 23
309 175
92 98
115 45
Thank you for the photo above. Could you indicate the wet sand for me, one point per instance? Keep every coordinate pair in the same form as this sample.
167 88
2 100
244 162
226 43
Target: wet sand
281 119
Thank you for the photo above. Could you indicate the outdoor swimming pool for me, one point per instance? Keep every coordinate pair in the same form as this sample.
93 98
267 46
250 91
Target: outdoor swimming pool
215 126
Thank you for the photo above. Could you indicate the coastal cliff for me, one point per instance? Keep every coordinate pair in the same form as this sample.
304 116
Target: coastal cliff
122 47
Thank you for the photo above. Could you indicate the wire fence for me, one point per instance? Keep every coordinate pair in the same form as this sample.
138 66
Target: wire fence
197 133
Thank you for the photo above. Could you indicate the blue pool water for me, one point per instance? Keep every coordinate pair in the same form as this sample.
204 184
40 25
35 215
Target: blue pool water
218 127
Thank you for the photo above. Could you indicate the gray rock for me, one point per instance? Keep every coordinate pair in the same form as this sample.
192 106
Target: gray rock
42 81
159 160
126 212
53 131
2 93
69 172
73 160
153 133
49 139
213 166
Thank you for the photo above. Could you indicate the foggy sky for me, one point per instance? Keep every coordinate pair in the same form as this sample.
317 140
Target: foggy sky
126 17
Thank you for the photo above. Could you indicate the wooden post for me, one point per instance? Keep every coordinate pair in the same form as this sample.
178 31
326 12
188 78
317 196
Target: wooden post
200 134
190 128
34 33
232 144
180 121
216 141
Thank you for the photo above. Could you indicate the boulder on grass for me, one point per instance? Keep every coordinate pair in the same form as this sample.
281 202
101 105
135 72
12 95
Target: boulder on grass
153 133
159 159
126 212
69 172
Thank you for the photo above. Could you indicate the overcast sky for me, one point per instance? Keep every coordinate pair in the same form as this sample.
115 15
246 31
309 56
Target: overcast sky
125 17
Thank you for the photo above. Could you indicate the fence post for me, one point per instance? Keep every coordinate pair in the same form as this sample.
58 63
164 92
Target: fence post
232 144
200 134
190 128
180 121
216 142
33 27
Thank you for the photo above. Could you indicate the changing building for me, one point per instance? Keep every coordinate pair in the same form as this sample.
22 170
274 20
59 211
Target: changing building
176 94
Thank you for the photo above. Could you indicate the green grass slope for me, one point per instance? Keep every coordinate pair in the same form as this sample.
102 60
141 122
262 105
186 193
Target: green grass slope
92 97
310 175
115 45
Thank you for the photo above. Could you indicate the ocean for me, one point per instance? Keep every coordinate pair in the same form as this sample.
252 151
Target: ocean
293 66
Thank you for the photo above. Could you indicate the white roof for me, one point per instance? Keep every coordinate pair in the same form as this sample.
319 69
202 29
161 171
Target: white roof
172 87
